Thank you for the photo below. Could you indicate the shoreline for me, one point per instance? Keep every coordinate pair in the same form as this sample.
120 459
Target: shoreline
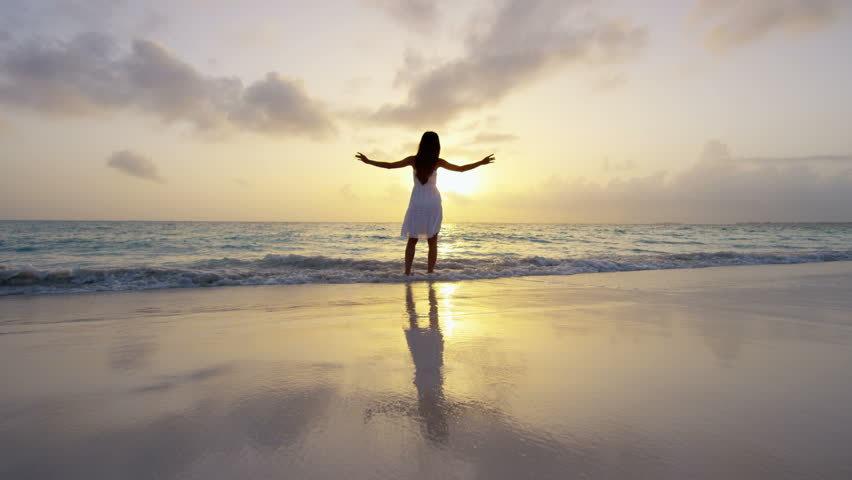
574 267
573 281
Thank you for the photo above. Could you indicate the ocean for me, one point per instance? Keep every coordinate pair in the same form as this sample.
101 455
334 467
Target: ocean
52 257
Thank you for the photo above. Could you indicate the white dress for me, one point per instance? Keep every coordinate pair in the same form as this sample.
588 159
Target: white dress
424 214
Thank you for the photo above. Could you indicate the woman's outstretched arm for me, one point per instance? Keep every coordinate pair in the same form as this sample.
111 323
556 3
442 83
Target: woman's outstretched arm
469 166
402 163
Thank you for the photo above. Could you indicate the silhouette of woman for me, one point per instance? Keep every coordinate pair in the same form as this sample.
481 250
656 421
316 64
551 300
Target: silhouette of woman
424 215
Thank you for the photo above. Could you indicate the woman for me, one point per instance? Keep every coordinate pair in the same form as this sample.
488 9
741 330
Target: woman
424 215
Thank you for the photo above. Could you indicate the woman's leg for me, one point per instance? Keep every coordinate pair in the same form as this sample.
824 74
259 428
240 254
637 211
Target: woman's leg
409 254
433 253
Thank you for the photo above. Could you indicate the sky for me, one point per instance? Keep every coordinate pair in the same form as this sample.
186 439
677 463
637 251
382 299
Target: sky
610 111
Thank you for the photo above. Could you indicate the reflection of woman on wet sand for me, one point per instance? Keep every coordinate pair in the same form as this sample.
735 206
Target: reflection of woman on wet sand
483 434
427 351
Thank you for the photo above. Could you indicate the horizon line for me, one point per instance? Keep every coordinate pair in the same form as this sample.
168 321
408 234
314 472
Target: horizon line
752 222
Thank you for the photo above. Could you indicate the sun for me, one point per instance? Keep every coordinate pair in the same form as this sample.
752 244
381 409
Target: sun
460 183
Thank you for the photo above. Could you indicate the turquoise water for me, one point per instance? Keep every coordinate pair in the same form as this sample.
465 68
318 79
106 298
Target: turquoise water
58 257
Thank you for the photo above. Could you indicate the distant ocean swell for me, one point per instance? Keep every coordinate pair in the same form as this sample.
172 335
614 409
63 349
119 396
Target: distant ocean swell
298 269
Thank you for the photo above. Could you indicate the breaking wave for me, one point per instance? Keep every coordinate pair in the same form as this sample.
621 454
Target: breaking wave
298 269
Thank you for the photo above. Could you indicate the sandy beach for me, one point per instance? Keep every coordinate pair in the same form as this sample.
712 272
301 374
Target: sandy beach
718 373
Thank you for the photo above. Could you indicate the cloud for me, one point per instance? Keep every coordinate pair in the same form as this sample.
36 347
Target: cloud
420 15
356 85
734 23
526 39
813 159
610 81
90 73
135 165
494 138
29 14
718 188
73 16
275 105
615 166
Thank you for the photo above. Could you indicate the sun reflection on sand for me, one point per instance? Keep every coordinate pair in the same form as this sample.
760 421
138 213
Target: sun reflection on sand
448 317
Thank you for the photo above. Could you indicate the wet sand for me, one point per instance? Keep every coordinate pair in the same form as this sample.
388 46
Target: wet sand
722 373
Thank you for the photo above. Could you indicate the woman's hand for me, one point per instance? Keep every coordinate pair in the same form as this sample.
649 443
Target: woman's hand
362 157
487 160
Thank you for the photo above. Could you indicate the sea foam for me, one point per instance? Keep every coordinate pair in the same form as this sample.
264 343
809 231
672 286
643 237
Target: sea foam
273 269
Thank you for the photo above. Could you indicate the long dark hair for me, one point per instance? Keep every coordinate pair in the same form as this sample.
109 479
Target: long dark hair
426 160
